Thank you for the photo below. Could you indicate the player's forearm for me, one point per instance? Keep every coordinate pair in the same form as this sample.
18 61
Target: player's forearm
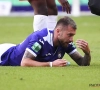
86 60
33 63
82 61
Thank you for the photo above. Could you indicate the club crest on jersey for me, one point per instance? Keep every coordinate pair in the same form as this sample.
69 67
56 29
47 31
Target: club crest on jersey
59 54
36 47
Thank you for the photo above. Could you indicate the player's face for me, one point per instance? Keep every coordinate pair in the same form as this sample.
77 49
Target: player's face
66 36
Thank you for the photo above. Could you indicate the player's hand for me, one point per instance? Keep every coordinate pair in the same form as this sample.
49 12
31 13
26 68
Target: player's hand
65 5
82 44
59 63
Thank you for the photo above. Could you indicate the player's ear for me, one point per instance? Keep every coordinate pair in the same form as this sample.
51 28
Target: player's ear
58 31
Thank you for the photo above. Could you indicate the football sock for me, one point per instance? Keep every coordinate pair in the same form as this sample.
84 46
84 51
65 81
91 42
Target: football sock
51 22
39 22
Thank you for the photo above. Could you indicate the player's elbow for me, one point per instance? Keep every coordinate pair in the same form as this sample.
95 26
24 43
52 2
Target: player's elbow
23 63
84 64
87 64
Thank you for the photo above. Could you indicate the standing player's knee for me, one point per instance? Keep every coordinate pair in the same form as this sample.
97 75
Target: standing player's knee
42 10
55 11
39 7
52 10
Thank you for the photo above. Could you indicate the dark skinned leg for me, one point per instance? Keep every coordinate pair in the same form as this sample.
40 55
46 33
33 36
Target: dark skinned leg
52 14
39 6
40 14
52 8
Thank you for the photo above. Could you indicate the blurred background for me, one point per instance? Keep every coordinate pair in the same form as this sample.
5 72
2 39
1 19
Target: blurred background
23 8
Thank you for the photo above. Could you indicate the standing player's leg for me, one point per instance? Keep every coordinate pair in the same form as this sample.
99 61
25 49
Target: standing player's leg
52 14
40 14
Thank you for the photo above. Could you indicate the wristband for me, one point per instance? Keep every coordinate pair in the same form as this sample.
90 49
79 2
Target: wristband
50 63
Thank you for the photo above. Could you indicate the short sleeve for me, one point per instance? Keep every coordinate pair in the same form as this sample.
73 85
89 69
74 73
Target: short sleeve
71 48
34 46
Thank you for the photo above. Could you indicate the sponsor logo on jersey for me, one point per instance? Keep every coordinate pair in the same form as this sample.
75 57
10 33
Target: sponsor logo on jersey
36 47
48 54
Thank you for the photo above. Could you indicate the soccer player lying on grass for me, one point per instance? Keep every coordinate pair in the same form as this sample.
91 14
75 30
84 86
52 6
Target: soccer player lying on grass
47 48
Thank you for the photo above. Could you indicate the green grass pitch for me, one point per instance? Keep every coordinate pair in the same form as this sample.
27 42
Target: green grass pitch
73 77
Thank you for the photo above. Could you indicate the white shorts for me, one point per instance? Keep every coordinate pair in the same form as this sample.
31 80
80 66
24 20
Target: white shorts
4 47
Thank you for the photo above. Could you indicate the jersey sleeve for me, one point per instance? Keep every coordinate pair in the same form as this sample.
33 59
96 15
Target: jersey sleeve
34 46
71 48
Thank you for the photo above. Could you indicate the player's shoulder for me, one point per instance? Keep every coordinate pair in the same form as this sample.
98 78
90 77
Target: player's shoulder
38 34
46 36
44 33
